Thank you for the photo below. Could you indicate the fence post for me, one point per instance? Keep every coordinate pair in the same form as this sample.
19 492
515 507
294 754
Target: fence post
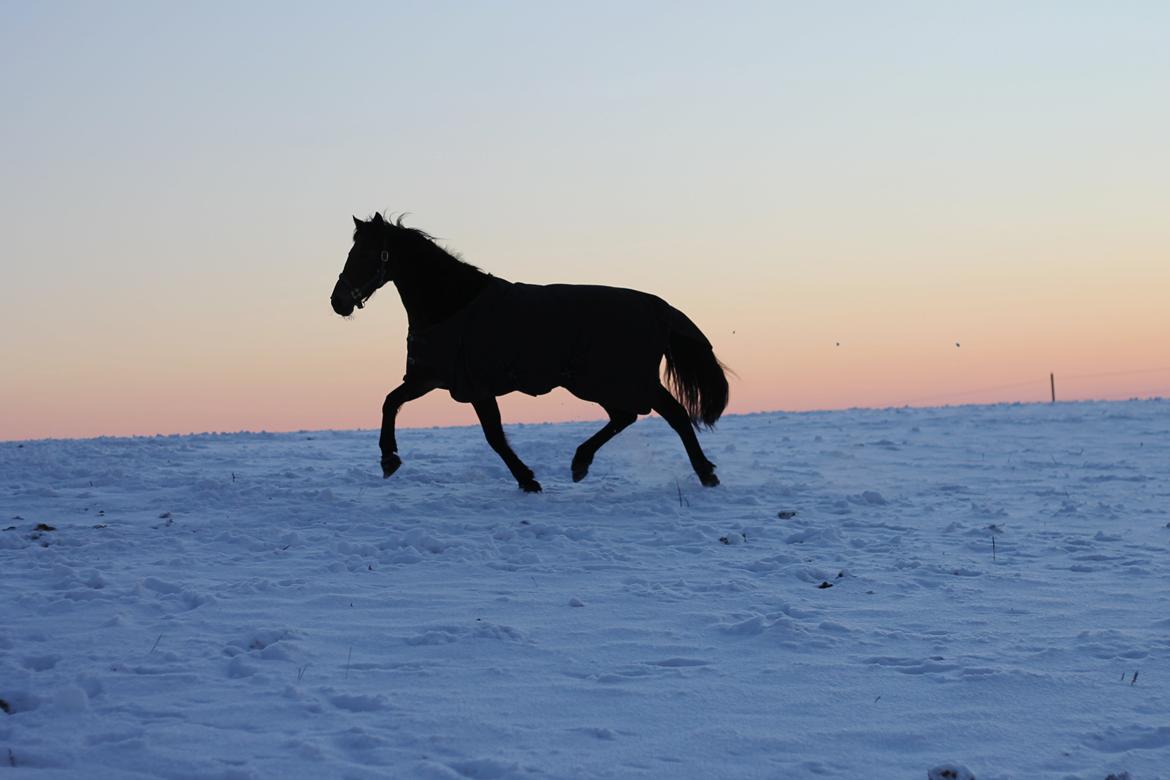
1052 382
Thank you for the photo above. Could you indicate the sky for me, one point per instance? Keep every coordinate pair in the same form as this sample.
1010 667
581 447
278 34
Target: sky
860 204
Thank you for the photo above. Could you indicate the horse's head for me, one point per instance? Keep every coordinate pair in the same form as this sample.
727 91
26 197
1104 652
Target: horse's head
370 265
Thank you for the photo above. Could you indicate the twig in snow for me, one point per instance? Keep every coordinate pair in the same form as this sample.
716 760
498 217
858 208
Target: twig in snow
347 660
1131 682
301 671
155 645
993 548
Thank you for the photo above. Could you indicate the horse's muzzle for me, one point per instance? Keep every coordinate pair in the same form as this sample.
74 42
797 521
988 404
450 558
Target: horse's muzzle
342 300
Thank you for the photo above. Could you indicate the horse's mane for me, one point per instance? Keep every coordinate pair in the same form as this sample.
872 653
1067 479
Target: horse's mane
433 282
426 244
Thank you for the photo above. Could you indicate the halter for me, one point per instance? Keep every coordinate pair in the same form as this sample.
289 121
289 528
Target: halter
359 294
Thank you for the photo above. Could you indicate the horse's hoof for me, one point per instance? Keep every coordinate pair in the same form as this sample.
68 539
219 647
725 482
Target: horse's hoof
709 479
390 464
530 486
580 471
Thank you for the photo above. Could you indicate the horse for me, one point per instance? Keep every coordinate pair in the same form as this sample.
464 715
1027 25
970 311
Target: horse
479 336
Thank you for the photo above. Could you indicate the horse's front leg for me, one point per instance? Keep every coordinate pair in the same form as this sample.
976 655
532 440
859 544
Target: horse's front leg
489 418
409 390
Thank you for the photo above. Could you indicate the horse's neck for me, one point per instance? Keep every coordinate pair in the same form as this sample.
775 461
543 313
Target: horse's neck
430 297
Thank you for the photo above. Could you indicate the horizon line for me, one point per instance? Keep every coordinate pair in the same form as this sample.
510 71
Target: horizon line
266 432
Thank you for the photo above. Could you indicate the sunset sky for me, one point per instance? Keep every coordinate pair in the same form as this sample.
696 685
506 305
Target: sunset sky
861 204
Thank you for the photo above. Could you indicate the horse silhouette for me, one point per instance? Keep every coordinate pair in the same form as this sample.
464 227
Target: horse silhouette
479 337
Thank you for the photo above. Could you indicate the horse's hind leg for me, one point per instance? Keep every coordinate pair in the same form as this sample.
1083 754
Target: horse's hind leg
618 422
493 430
674 414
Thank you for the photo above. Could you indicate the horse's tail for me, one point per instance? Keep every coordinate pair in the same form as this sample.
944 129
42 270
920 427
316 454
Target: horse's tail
693 373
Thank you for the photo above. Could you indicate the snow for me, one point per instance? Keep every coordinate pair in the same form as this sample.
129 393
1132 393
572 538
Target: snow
980 590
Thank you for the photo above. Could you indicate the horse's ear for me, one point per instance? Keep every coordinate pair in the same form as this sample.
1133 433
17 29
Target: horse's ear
377 218
357 223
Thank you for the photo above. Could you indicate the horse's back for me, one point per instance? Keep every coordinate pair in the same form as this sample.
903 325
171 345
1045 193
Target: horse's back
603 344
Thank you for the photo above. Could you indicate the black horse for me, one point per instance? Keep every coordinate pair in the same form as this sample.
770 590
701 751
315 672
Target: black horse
479 337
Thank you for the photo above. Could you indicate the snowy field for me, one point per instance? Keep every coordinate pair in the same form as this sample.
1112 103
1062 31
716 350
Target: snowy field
984 586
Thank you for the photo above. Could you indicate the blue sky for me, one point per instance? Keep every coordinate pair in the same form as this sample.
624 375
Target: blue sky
179 179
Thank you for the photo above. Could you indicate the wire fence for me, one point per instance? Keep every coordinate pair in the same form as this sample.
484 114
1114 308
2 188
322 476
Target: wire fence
1043 386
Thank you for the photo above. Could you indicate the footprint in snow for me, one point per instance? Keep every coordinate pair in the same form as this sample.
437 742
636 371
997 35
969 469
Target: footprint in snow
601 733
1115 740
674 663
950 772
40 663
352 702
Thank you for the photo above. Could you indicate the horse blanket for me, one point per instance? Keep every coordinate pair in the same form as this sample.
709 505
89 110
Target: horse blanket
603 344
